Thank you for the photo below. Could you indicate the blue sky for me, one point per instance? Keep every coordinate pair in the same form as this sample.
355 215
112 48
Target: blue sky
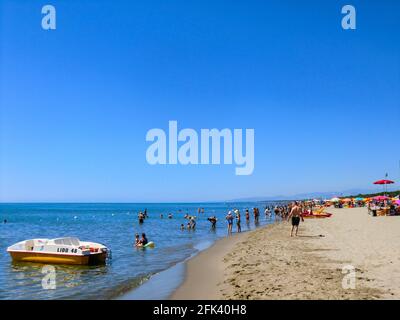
76 102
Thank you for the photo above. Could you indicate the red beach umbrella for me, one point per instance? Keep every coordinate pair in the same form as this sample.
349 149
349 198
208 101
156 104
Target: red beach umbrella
381 198
384 182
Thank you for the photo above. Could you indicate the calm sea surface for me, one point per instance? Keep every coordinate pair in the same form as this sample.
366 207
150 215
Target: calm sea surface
113 225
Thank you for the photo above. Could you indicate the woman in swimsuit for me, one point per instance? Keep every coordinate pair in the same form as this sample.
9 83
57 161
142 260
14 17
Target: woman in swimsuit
247 216
144 240
229 219
239 228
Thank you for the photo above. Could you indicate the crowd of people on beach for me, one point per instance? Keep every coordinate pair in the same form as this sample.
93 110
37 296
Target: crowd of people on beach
233 217
285 211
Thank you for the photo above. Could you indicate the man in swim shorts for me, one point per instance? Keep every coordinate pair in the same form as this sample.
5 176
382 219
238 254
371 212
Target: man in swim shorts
295 215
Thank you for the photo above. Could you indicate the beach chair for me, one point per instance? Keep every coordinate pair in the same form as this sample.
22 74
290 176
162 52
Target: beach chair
319 211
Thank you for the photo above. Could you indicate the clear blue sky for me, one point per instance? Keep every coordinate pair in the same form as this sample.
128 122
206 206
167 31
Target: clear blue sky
76 102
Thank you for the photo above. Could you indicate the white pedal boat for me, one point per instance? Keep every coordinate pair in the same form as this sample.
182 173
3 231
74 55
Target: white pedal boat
66 250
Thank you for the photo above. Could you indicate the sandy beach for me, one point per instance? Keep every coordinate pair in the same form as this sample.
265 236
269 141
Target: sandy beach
268 264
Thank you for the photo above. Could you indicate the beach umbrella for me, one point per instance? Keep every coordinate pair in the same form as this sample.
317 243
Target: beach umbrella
397 202
346 200
384 182
381 198
359 199
334 200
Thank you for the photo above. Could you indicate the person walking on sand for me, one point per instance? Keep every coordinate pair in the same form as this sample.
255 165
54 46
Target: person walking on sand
295 215
229 219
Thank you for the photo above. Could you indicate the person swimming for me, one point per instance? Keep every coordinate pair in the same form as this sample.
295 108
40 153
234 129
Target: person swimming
182 226
170 216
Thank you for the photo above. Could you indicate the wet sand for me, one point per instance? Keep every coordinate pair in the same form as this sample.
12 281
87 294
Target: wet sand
268 264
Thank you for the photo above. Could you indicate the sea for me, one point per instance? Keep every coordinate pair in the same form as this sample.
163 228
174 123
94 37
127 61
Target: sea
114 225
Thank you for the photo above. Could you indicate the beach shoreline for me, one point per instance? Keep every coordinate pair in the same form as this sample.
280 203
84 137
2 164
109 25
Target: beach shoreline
267 264
168 281
196 271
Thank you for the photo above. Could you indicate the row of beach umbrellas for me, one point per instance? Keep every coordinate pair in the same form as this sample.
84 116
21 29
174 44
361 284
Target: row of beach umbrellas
377 198
359 199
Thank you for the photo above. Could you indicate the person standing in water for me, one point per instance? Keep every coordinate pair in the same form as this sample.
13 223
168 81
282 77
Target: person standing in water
295 215
267 212
213 221
144 240
137 240
239 228
229 219
141 217
247 216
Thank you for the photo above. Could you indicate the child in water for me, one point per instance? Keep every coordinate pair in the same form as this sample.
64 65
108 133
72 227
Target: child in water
137 240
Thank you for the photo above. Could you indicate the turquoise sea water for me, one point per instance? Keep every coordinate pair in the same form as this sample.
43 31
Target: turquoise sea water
113 225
